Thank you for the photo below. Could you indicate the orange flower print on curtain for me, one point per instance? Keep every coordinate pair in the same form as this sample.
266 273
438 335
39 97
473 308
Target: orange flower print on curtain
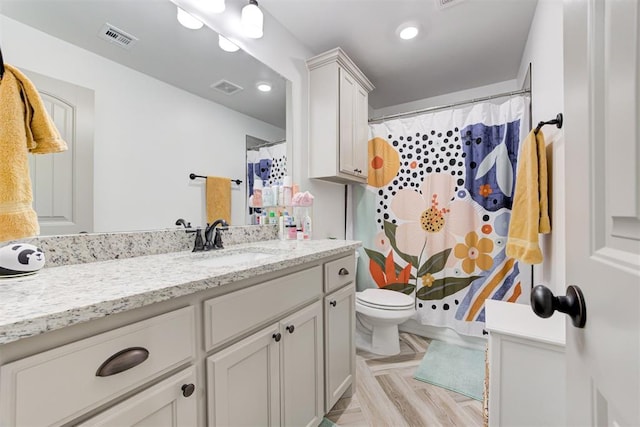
474 252
388 276
384 162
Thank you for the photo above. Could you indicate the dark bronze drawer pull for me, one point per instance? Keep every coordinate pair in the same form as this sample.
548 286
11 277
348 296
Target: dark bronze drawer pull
122 360
343 272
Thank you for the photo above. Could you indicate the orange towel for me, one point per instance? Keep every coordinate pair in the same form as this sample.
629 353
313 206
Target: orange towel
218 199
529 215
25 127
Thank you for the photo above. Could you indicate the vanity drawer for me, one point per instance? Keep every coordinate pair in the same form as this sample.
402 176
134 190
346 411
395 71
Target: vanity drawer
56 386
239 312
339 272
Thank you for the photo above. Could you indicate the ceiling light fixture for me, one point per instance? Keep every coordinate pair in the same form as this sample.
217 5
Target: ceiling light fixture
263 86
252 20
408 31
226 45
188 20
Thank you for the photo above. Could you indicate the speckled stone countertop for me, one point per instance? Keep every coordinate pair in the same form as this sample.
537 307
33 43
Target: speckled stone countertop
63 296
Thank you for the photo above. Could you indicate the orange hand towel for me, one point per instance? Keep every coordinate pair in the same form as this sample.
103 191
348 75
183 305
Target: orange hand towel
529 216
218 199
25 126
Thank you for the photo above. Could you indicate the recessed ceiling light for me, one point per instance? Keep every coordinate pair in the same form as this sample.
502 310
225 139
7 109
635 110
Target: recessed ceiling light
226 45
263 86
188 20
408 32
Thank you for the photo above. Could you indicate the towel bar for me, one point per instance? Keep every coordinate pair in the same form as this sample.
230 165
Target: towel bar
194 176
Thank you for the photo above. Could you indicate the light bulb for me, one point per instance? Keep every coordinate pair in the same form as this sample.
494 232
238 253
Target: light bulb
226 45
409 32
263 86
189 21
252 20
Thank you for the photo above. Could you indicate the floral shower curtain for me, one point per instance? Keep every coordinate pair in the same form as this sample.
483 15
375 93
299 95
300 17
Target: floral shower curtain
268 164
435 214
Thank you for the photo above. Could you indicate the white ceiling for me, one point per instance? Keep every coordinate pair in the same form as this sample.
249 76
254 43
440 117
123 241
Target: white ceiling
468 44
188 59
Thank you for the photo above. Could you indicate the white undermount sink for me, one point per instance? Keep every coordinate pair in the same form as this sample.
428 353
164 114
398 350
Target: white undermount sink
230 260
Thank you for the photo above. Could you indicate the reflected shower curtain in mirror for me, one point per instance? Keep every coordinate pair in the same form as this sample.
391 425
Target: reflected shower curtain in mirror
267 163
435 214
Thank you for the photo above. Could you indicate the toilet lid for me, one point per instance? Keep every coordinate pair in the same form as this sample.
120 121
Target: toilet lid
385 299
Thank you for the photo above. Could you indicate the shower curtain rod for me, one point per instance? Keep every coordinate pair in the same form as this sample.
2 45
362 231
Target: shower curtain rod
444 107
267 144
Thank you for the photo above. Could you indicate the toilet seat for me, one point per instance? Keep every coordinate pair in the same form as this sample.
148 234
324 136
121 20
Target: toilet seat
384 299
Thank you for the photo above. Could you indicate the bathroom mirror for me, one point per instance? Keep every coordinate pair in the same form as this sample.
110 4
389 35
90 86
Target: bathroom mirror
166 102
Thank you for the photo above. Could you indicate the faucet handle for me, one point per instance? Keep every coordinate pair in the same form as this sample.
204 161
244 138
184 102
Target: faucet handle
199 243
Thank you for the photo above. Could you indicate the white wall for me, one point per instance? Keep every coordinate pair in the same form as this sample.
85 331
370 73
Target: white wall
282 52
148 135
544 51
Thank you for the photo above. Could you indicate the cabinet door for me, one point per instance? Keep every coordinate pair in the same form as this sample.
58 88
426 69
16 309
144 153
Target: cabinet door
347 123
361 137
302 367
339 315
167 403
243 382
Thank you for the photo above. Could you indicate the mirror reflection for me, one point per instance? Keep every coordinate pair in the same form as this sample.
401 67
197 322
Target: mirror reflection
138 118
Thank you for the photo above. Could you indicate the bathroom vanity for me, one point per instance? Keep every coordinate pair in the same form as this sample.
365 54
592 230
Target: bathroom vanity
257 334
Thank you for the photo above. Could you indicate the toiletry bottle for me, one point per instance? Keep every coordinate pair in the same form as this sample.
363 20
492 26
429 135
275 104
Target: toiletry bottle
306 226
272 218
281 229
267 195
263 218
257 194
280 194
287 191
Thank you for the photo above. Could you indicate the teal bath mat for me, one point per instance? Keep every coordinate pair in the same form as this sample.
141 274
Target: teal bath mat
453 367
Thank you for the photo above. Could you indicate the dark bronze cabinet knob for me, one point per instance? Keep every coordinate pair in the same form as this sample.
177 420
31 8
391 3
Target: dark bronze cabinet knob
290 329
188 389
333 303
277 336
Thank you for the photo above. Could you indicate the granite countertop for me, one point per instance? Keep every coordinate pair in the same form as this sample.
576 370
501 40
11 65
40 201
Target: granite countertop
63 296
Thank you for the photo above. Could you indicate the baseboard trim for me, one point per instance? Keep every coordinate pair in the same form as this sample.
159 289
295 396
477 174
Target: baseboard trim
443 334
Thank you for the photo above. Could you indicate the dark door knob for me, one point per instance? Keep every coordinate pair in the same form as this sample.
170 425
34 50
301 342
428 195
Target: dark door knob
290 329
277 336
188 389
544 303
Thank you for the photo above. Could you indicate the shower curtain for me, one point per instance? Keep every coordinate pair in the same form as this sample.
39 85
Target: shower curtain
268 164
435 213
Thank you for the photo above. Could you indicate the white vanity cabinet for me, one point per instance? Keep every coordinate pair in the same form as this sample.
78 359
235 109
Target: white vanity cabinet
276 348
338 113
273 377
526 366
62 384
339 325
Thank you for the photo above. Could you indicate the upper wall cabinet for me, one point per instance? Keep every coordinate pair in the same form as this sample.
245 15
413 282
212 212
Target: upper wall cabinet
338 113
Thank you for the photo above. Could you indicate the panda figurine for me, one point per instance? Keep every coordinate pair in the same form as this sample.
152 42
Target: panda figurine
20 259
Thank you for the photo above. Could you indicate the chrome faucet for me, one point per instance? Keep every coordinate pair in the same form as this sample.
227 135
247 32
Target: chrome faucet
217 240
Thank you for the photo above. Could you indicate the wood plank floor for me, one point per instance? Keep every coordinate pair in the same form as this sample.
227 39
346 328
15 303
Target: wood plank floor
387 395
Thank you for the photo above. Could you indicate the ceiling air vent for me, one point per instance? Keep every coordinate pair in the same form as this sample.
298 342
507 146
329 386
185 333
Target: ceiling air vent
117 36
443 4
226 87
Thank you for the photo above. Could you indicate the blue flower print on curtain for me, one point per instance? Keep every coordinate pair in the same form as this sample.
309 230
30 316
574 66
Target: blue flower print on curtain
490 159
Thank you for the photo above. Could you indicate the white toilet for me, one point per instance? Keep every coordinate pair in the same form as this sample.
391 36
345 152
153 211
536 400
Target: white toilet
379 312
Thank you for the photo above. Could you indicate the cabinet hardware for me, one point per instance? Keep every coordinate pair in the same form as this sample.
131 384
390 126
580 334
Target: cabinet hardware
290 328
122 360
333 303
277 336
343 272
188 389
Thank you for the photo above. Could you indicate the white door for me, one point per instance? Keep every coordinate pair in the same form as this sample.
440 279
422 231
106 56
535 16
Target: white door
602 107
